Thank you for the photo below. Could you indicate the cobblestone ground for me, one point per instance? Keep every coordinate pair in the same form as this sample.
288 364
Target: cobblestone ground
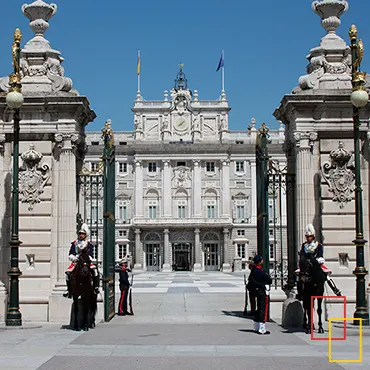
181 321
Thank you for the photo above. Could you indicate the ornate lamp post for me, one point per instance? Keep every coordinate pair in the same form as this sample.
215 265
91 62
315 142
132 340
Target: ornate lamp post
359 99
14 100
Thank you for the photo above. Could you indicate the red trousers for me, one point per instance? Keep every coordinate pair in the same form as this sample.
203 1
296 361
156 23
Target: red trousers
122 306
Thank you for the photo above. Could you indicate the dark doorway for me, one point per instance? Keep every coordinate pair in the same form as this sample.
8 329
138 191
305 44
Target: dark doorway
182 257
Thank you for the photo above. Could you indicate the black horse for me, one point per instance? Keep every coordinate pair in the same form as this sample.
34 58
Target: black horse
81 282
312 283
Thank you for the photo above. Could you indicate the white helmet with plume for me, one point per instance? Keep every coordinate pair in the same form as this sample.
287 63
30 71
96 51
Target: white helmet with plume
310 230
84 229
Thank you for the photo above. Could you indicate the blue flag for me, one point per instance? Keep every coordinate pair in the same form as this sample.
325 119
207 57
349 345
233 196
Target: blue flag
221 62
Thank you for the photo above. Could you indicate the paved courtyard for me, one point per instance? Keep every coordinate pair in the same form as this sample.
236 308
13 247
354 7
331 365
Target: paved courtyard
182 321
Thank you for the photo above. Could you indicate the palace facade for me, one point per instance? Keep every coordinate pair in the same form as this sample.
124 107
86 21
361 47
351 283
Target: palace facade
185 186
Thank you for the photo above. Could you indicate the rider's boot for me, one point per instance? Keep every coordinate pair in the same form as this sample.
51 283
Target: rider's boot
300 289
68 292
96 284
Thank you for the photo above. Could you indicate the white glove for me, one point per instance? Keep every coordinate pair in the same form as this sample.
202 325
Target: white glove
73 258
321 260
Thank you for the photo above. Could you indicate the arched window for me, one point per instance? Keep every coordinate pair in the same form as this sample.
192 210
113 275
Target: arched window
181 204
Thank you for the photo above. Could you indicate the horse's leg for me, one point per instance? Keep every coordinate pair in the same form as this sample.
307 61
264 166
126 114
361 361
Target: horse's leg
85 317
75 321
306 318
319 313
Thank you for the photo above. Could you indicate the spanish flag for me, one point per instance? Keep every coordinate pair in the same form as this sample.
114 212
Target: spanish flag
138 64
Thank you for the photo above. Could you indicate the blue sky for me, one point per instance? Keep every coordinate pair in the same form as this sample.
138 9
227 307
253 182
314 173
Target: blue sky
265 43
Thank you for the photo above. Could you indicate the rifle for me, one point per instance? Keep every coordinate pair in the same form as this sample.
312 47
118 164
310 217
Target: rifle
130 294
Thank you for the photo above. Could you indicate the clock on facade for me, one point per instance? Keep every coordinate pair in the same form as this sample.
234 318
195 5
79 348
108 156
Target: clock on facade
181 124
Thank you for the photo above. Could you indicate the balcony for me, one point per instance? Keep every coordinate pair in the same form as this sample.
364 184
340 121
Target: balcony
124 221
193 222
246 220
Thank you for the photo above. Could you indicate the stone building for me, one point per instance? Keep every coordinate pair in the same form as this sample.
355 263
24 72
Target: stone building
185 185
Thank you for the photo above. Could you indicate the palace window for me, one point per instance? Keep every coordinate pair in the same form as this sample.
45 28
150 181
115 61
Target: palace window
181 164
122 167
122 251
241 250
181 208
241 232
239 166
211 209
210 166
94 233
94 166
122 212
152 167
152 209
122 233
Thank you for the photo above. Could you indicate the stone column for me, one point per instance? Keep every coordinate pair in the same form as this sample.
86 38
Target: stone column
226 265
66 200
138 250
197 190
253 203
197 265
167 196
305 172
166 265
226 188
139 209
64 219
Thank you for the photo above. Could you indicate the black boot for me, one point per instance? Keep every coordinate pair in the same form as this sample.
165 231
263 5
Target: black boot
96 284
300 290
68 292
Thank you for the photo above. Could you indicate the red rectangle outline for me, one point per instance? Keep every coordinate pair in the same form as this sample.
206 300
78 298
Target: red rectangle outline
344 315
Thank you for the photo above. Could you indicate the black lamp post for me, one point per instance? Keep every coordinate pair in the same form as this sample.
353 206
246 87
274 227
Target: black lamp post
14 100
359 99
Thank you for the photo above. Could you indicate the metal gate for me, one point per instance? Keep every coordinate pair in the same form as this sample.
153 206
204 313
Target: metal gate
276 215
109 222
96 208
281 208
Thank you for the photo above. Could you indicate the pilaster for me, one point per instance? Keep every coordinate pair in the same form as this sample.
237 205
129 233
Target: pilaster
167 263
254 193
138 250
226 265
305 170
138 189
226 188
197 264
197 189
167 196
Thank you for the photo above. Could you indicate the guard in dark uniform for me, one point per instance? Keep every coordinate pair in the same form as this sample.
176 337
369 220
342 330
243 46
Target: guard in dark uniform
124 286
251 293
259 286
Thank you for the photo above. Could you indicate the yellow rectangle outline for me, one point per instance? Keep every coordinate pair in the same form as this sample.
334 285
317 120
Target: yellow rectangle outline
330 338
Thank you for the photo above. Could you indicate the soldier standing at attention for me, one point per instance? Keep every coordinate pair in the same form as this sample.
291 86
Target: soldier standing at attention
259 286
124 286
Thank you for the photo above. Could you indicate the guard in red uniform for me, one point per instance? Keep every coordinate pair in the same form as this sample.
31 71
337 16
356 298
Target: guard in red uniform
124 286
259 285
77 246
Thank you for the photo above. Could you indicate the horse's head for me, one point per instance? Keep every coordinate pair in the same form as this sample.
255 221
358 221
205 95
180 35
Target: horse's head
311 268
83 263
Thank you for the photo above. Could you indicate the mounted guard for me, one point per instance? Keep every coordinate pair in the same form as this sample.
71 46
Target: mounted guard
77 247
310 250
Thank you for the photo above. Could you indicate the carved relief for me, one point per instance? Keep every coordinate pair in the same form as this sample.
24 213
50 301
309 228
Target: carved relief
299 136
66 141
2 141
340 178
32 177
182 177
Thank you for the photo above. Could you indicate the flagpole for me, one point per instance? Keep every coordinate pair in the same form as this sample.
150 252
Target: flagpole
223 74
138 71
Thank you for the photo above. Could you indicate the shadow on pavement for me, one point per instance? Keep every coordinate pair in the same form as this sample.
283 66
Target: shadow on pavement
237 314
